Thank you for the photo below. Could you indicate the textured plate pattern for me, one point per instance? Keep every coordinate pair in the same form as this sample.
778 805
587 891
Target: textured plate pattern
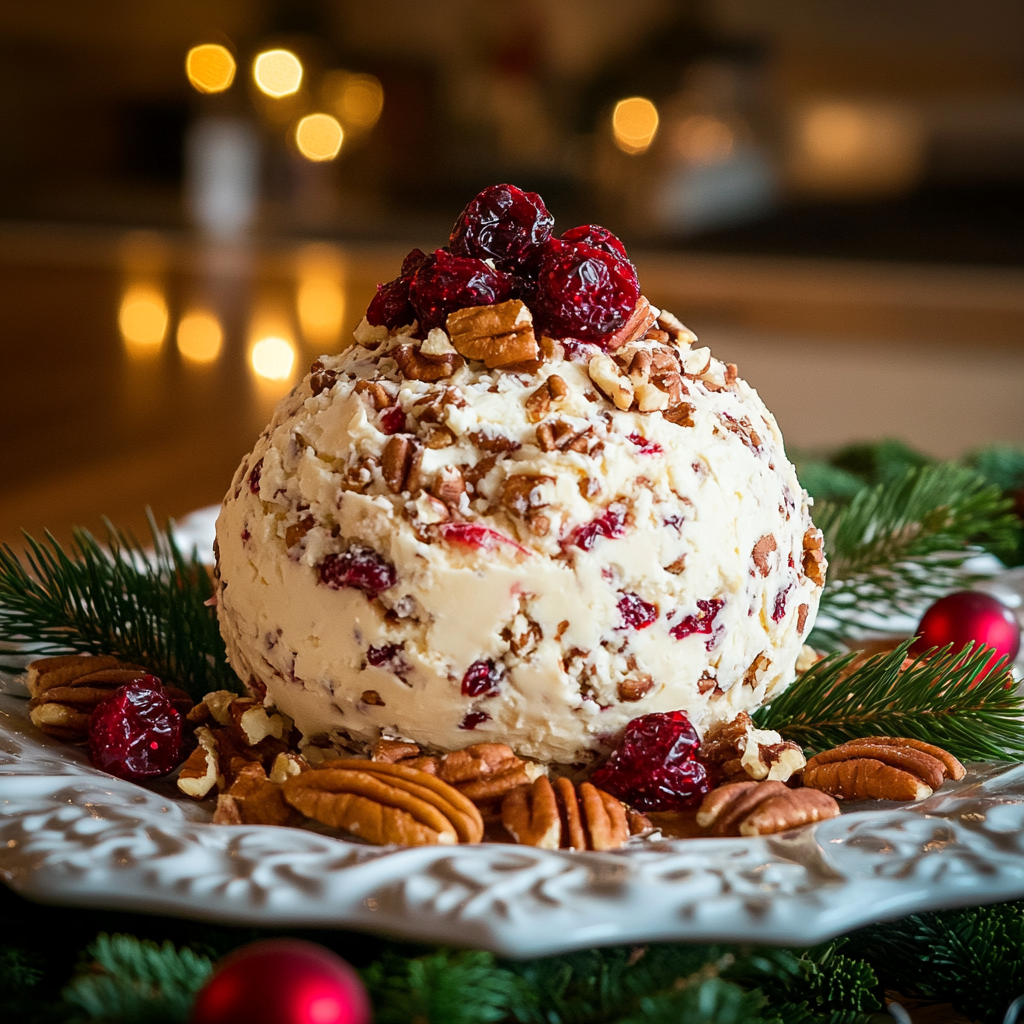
72 835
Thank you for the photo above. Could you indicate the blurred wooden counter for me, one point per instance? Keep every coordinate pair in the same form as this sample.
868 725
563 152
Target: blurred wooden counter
91 424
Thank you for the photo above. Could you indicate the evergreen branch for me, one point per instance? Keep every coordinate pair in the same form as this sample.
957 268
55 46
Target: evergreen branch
145 607
901 543
133 982
942 698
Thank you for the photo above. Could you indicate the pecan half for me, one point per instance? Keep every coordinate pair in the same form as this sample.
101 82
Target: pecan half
385 803
762 808
557 816
396 462
737 751
636 326
882 768
500 335
414 366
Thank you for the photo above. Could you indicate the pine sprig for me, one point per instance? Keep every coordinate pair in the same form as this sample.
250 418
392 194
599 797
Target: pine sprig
939 699
902 543
146 607
128 981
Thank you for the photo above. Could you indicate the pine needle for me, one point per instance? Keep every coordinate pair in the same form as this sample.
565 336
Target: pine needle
936 700
902 543
144 607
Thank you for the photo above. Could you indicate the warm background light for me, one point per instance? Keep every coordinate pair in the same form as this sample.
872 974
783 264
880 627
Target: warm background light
320 295
634 124
318 137
200 336
272 358
357 99
277 73
210 67
700 139
142 317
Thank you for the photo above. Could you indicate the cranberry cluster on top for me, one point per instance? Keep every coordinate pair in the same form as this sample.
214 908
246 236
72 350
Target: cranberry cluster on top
579 285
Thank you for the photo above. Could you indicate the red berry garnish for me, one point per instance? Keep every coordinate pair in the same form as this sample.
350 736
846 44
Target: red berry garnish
447 283
610 524
646 447
654 768
413 261
254 477
583 292
702 622
392 421
359 567
383 654
136 733
482 678
598 237
502 223
390 306
473 719
636 612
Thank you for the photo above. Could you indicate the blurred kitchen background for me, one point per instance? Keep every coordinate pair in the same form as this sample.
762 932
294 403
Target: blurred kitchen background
197 198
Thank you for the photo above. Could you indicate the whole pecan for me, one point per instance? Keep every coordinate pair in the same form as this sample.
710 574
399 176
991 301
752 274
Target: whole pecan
557 816
385 803
882 768
762 808
500 334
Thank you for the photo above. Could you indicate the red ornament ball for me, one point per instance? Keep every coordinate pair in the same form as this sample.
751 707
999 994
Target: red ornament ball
282 981
969 616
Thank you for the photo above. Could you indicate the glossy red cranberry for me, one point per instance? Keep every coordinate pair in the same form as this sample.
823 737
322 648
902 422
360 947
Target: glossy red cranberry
636 612
359 567
473 719
136 733
583 292
392 421
383 654
779 609
654 768
646 447
702 622
482 678
254 477
502 223
415 259
611 524
448 283
598 237
390 306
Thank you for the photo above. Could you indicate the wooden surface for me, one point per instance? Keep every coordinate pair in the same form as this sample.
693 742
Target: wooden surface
838 351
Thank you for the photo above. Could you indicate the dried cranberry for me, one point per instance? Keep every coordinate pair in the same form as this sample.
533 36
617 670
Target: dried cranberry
392 421
654 768
702 622
473 719
383 654
254 477
136 733
413 261
597 236
390 307
636 612
583 292
610 524
448 283
482 679
503 224
646 447
779 611
358 567
473 535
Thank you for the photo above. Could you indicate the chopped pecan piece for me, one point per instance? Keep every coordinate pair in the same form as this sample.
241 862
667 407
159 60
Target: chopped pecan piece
605 373
378 393
762 808
493 442
396 462
681 414
449 485
320 378
199 774
539 403
882 768
814 564
762 549
438 437
635 688
293 534
415 367
392 751
500 335
558 816
523 492
675 328
385 803
254 800
736 750
636 326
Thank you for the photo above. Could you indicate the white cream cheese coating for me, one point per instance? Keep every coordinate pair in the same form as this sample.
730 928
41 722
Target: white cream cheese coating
639 565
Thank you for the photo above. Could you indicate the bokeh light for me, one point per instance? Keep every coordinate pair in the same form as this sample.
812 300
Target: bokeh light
200 336
319 137
320 295
272 358
277 73
210 67
357 99
700 139
142 318
634 124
